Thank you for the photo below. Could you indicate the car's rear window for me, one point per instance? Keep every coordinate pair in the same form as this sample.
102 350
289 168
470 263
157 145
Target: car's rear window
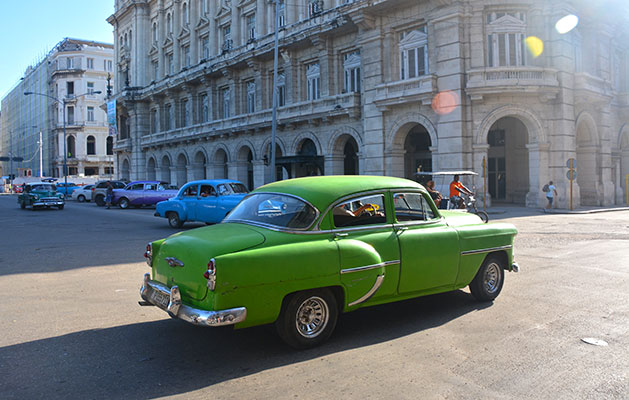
274 209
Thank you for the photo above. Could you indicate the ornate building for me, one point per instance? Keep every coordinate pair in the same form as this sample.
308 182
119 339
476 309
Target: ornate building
384 87
73 70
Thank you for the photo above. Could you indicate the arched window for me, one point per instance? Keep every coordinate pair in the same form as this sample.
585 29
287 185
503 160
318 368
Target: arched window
110 145
154 32
169 24
91 145
71 147
130 39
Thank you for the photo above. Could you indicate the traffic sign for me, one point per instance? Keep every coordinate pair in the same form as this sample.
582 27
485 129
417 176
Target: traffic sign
574 163
571 174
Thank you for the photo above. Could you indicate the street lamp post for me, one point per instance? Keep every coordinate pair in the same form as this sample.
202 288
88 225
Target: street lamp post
65 151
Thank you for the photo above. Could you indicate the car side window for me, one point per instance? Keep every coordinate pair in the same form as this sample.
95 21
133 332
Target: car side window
137 186
149 186
207 191
222 190
191 191
412 207
365 210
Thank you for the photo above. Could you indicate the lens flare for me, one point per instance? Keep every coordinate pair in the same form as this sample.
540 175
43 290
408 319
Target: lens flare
567 23
535 46
445 102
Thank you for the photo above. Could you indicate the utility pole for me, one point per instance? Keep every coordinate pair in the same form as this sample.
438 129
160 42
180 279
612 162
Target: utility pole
41 156
11 157
274 113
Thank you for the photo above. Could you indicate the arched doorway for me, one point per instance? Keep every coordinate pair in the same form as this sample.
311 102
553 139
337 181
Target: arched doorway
220 164
124 171
165 169
71 149
245 166
151 173
307 162
508 161
350 157
182 169
199 166
417 154
588 161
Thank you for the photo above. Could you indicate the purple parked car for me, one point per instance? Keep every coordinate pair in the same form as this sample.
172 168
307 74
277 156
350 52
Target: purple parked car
142 193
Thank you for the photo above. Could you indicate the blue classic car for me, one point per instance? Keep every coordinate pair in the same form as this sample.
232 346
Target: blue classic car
206 201
66 190
142 193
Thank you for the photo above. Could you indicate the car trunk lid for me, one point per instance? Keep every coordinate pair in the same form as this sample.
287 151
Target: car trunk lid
183 257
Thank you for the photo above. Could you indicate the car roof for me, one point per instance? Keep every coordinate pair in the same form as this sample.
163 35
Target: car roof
212 181
321 191
134 182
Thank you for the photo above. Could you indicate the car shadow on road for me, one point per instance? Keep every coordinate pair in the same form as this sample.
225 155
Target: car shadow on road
169 357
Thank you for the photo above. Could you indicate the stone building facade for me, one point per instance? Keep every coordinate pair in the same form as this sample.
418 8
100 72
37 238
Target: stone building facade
383 87
71 71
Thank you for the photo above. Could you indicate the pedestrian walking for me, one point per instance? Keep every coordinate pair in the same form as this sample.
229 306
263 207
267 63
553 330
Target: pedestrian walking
551 193
109 194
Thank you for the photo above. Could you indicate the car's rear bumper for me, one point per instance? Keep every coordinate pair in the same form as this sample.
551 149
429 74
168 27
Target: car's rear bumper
152 292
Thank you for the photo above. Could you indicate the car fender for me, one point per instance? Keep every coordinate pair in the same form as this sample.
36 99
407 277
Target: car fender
260 278
164 207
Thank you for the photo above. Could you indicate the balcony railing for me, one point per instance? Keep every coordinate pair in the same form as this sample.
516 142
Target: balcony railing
511 79
399 92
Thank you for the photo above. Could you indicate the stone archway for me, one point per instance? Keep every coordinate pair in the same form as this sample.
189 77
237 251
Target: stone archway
417 154
220 164
125 170
199 171
344 152
151 172
588 160
536 146
508 161
165 170
411 144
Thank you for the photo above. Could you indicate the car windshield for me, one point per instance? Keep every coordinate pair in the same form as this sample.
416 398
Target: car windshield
43 188
238 188
274 209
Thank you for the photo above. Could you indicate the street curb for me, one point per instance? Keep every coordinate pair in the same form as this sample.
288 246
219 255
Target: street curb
593 211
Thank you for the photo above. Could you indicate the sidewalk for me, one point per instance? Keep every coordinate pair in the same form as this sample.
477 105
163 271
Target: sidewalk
513 210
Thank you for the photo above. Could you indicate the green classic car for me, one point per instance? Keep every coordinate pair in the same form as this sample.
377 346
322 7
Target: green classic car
40 194
299 252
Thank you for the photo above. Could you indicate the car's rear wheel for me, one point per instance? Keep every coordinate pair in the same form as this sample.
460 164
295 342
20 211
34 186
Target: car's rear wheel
81 198
174 221
123 203
100 200
487 283
307 318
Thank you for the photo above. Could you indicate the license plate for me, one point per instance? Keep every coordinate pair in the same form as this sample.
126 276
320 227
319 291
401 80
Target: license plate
159 299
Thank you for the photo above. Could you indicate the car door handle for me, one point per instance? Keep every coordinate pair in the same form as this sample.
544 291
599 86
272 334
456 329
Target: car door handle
401 228
340 235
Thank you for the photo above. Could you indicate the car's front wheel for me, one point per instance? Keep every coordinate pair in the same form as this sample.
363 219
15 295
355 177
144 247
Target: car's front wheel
100 200
60 207
307 318
487 283
22 205
123 203
174 221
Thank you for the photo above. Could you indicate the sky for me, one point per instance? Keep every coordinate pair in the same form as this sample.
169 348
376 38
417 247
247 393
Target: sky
31 28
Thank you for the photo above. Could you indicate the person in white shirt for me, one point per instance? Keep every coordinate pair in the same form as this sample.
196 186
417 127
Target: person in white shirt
550 195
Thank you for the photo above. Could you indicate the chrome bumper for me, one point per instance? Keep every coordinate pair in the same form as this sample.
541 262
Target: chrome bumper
48 203
192 315
515 267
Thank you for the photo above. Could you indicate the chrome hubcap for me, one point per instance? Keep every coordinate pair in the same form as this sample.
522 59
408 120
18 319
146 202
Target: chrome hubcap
492 278
312 317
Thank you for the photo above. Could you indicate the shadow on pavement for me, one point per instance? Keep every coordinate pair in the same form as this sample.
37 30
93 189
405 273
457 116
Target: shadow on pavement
169 357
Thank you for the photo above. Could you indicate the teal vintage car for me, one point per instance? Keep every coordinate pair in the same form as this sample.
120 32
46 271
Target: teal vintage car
40 195
299 252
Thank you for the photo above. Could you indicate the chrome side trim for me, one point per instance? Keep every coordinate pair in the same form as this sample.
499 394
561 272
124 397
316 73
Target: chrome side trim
174 262
194 316
479 251
368 267
370 293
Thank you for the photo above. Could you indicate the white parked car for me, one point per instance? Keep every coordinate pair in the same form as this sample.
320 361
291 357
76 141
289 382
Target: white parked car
84 193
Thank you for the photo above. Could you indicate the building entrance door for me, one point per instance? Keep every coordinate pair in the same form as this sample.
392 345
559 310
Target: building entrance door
496 178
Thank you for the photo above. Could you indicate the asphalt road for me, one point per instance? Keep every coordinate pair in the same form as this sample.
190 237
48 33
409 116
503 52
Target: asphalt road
71 327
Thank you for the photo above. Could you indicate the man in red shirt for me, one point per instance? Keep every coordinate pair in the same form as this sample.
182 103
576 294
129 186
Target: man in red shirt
456 188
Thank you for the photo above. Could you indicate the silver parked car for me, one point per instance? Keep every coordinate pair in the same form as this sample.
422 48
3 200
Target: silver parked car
82 194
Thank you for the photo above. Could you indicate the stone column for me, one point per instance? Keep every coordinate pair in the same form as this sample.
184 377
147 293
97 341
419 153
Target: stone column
394 162
261 18
538 174
173 175
176 21
190 169
235 25
193 15
479 152
161 36
232 170
214 35
209 170
333 164
258 173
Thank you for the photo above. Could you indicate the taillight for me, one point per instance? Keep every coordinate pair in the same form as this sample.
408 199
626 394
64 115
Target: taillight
148 254
210 274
